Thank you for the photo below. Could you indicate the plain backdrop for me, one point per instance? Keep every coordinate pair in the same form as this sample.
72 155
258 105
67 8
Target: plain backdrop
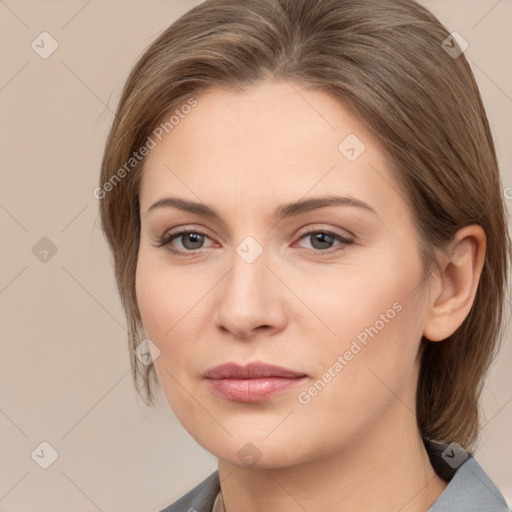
64 362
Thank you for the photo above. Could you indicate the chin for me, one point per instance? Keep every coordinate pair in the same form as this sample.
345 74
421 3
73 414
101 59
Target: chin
259 451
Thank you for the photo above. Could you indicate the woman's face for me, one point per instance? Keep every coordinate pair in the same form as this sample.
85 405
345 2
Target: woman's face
266 271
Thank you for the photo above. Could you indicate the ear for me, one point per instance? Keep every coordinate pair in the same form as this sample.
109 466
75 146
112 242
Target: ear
460 269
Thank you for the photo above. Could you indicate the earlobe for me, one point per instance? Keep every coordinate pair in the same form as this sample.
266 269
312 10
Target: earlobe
461 266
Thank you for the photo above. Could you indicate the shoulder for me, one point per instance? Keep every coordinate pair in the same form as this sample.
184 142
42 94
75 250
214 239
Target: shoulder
200 498
469 488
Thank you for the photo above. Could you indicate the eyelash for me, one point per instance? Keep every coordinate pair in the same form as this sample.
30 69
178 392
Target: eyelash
166 240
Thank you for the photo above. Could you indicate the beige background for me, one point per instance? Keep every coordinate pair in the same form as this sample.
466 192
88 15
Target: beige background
64 363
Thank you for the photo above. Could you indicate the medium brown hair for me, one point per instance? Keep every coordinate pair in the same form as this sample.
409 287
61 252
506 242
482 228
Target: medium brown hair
386 61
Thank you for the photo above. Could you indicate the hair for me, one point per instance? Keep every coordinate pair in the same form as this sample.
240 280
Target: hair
385 62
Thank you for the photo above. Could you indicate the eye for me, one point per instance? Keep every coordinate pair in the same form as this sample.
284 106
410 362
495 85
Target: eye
323 240
190 240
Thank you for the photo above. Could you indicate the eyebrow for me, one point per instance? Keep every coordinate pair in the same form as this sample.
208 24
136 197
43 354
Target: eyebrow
282 212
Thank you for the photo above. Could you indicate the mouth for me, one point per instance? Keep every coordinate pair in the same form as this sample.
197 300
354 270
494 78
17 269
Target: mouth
254 382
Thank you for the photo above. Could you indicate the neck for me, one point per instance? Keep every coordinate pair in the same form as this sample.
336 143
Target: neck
383 469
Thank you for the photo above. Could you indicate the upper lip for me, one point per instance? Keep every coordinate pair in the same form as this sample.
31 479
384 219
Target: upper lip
254 370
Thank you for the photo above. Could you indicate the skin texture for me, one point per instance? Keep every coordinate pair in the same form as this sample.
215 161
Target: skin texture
355 444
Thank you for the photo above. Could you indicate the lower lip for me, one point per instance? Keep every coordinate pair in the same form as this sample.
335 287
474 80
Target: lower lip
252 390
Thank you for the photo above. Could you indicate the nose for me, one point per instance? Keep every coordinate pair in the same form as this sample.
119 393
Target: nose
251 300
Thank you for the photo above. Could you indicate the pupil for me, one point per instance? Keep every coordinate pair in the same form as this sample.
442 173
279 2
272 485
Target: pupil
324 239
195 238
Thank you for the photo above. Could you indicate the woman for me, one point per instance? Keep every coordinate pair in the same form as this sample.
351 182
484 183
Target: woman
304 207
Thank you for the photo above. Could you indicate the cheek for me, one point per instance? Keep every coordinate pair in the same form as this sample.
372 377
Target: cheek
368 301
362 377
163 295
159 311
171 304
162 301
151 298
377 320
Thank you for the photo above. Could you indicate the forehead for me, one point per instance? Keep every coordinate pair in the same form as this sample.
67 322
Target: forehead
276 141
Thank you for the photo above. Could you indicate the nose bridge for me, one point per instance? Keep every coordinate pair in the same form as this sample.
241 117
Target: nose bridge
245 284
249 297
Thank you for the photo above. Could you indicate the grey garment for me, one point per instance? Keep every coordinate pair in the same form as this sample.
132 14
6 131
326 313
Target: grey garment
200 498
469 490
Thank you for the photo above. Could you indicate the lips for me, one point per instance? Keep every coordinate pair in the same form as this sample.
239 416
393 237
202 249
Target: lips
251 383
250 371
